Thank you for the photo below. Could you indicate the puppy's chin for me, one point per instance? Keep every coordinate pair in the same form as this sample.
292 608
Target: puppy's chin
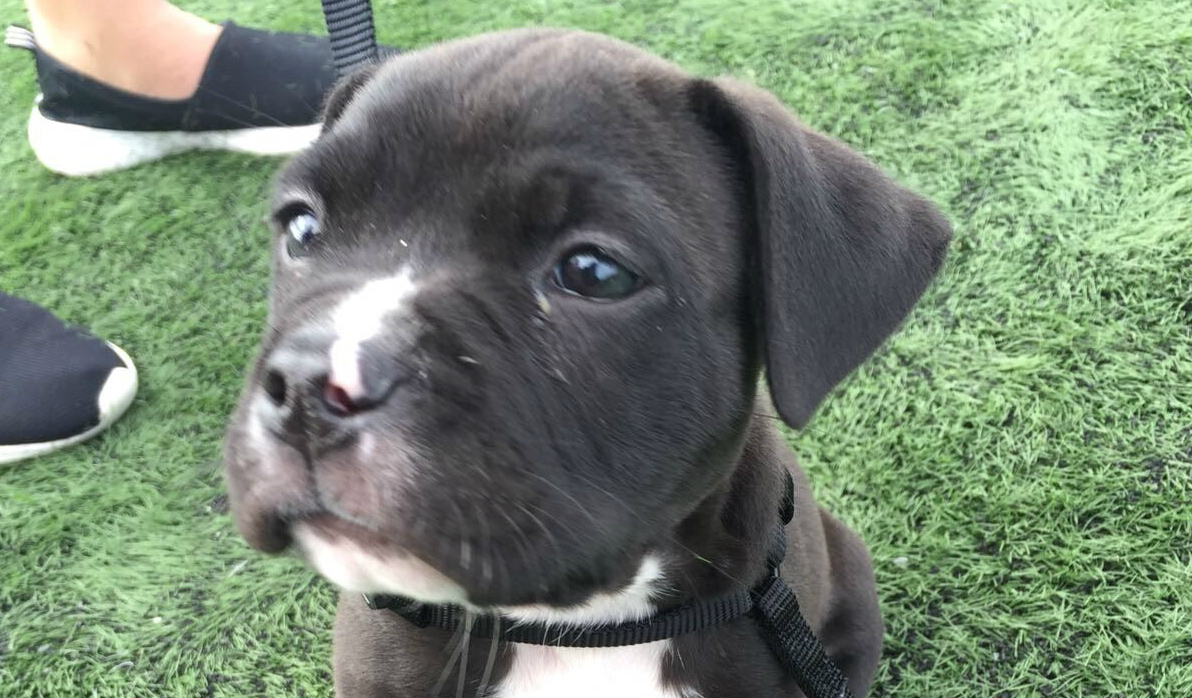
358 561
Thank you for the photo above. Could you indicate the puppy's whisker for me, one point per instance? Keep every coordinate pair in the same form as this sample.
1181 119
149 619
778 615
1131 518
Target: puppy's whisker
461 520
563 525
461 634
578 505
469 620
550 536
492 656
486 568
812 428
669 537
523 548
517 529
385 493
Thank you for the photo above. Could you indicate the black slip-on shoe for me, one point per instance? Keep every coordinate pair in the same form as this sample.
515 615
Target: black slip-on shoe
58 384
261 93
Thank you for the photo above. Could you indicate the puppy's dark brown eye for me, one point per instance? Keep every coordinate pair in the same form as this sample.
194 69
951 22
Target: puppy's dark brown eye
302 229
592 273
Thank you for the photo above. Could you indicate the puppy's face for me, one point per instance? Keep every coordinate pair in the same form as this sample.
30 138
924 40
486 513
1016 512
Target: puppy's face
505 345
516 323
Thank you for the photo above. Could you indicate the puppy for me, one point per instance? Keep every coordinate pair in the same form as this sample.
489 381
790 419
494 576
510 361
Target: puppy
524 288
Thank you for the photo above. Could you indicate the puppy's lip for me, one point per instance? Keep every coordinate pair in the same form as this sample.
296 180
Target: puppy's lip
334 527
360 560
267 533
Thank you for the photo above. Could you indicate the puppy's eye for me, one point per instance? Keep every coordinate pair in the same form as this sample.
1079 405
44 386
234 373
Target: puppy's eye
302 228
592 273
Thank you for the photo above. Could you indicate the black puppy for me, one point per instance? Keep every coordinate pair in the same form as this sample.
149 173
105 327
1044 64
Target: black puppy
525 285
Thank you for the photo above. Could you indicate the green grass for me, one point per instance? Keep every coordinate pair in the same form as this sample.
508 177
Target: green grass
1025 443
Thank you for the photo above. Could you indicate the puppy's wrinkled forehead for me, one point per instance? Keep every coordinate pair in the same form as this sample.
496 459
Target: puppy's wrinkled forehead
477 128
512 89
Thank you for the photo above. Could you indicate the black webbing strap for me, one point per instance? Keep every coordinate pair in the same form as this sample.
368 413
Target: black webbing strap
790 638
353 38
687 618
772 604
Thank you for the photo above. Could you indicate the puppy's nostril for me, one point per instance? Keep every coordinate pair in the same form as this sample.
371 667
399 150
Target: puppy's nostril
274 385
338 400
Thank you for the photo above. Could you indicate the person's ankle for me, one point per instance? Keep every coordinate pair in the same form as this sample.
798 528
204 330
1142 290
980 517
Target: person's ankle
161 57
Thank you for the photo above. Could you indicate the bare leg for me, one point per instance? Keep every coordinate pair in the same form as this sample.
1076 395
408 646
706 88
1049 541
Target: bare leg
148 47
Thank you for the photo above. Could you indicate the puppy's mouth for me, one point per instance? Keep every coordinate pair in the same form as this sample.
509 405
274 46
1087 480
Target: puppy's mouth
336 528
358 559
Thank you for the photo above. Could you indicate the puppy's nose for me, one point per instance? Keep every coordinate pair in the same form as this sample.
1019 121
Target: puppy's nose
361 377
307 380
344 399
285 388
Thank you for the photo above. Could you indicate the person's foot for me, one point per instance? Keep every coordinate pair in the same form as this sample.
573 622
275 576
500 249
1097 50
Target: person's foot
260 92
58 384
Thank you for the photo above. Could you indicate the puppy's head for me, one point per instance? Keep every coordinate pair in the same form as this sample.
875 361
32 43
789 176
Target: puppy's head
524 286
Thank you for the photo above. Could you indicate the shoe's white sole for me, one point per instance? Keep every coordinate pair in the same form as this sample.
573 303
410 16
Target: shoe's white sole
114 398
75 150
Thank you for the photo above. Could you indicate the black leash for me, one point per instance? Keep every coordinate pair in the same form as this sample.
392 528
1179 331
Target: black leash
787 632
772 603
353 37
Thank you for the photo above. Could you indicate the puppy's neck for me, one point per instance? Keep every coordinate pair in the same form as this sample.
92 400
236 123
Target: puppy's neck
719 548
722 546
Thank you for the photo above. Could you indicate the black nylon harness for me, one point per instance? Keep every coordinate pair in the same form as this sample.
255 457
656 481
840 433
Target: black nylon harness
771 603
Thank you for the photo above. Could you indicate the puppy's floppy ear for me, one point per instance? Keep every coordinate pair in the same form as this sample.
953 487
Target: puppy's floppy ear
343 92
842 252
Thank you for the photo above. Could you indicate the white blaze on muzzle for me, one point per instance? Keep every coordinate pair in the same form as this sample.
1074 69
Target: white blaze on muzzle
359 318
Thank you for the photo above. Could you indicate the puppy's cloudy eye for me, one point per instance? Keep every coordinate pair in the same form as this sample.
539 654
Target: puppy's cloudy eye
301 230
592 273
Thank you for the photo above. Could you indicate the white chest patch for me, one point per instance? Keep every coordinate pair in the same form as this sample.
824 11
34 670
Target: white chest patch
580 672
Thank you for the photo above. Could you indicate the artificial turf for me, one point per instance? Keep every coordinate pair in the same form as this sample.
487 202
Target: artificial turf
1018 458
